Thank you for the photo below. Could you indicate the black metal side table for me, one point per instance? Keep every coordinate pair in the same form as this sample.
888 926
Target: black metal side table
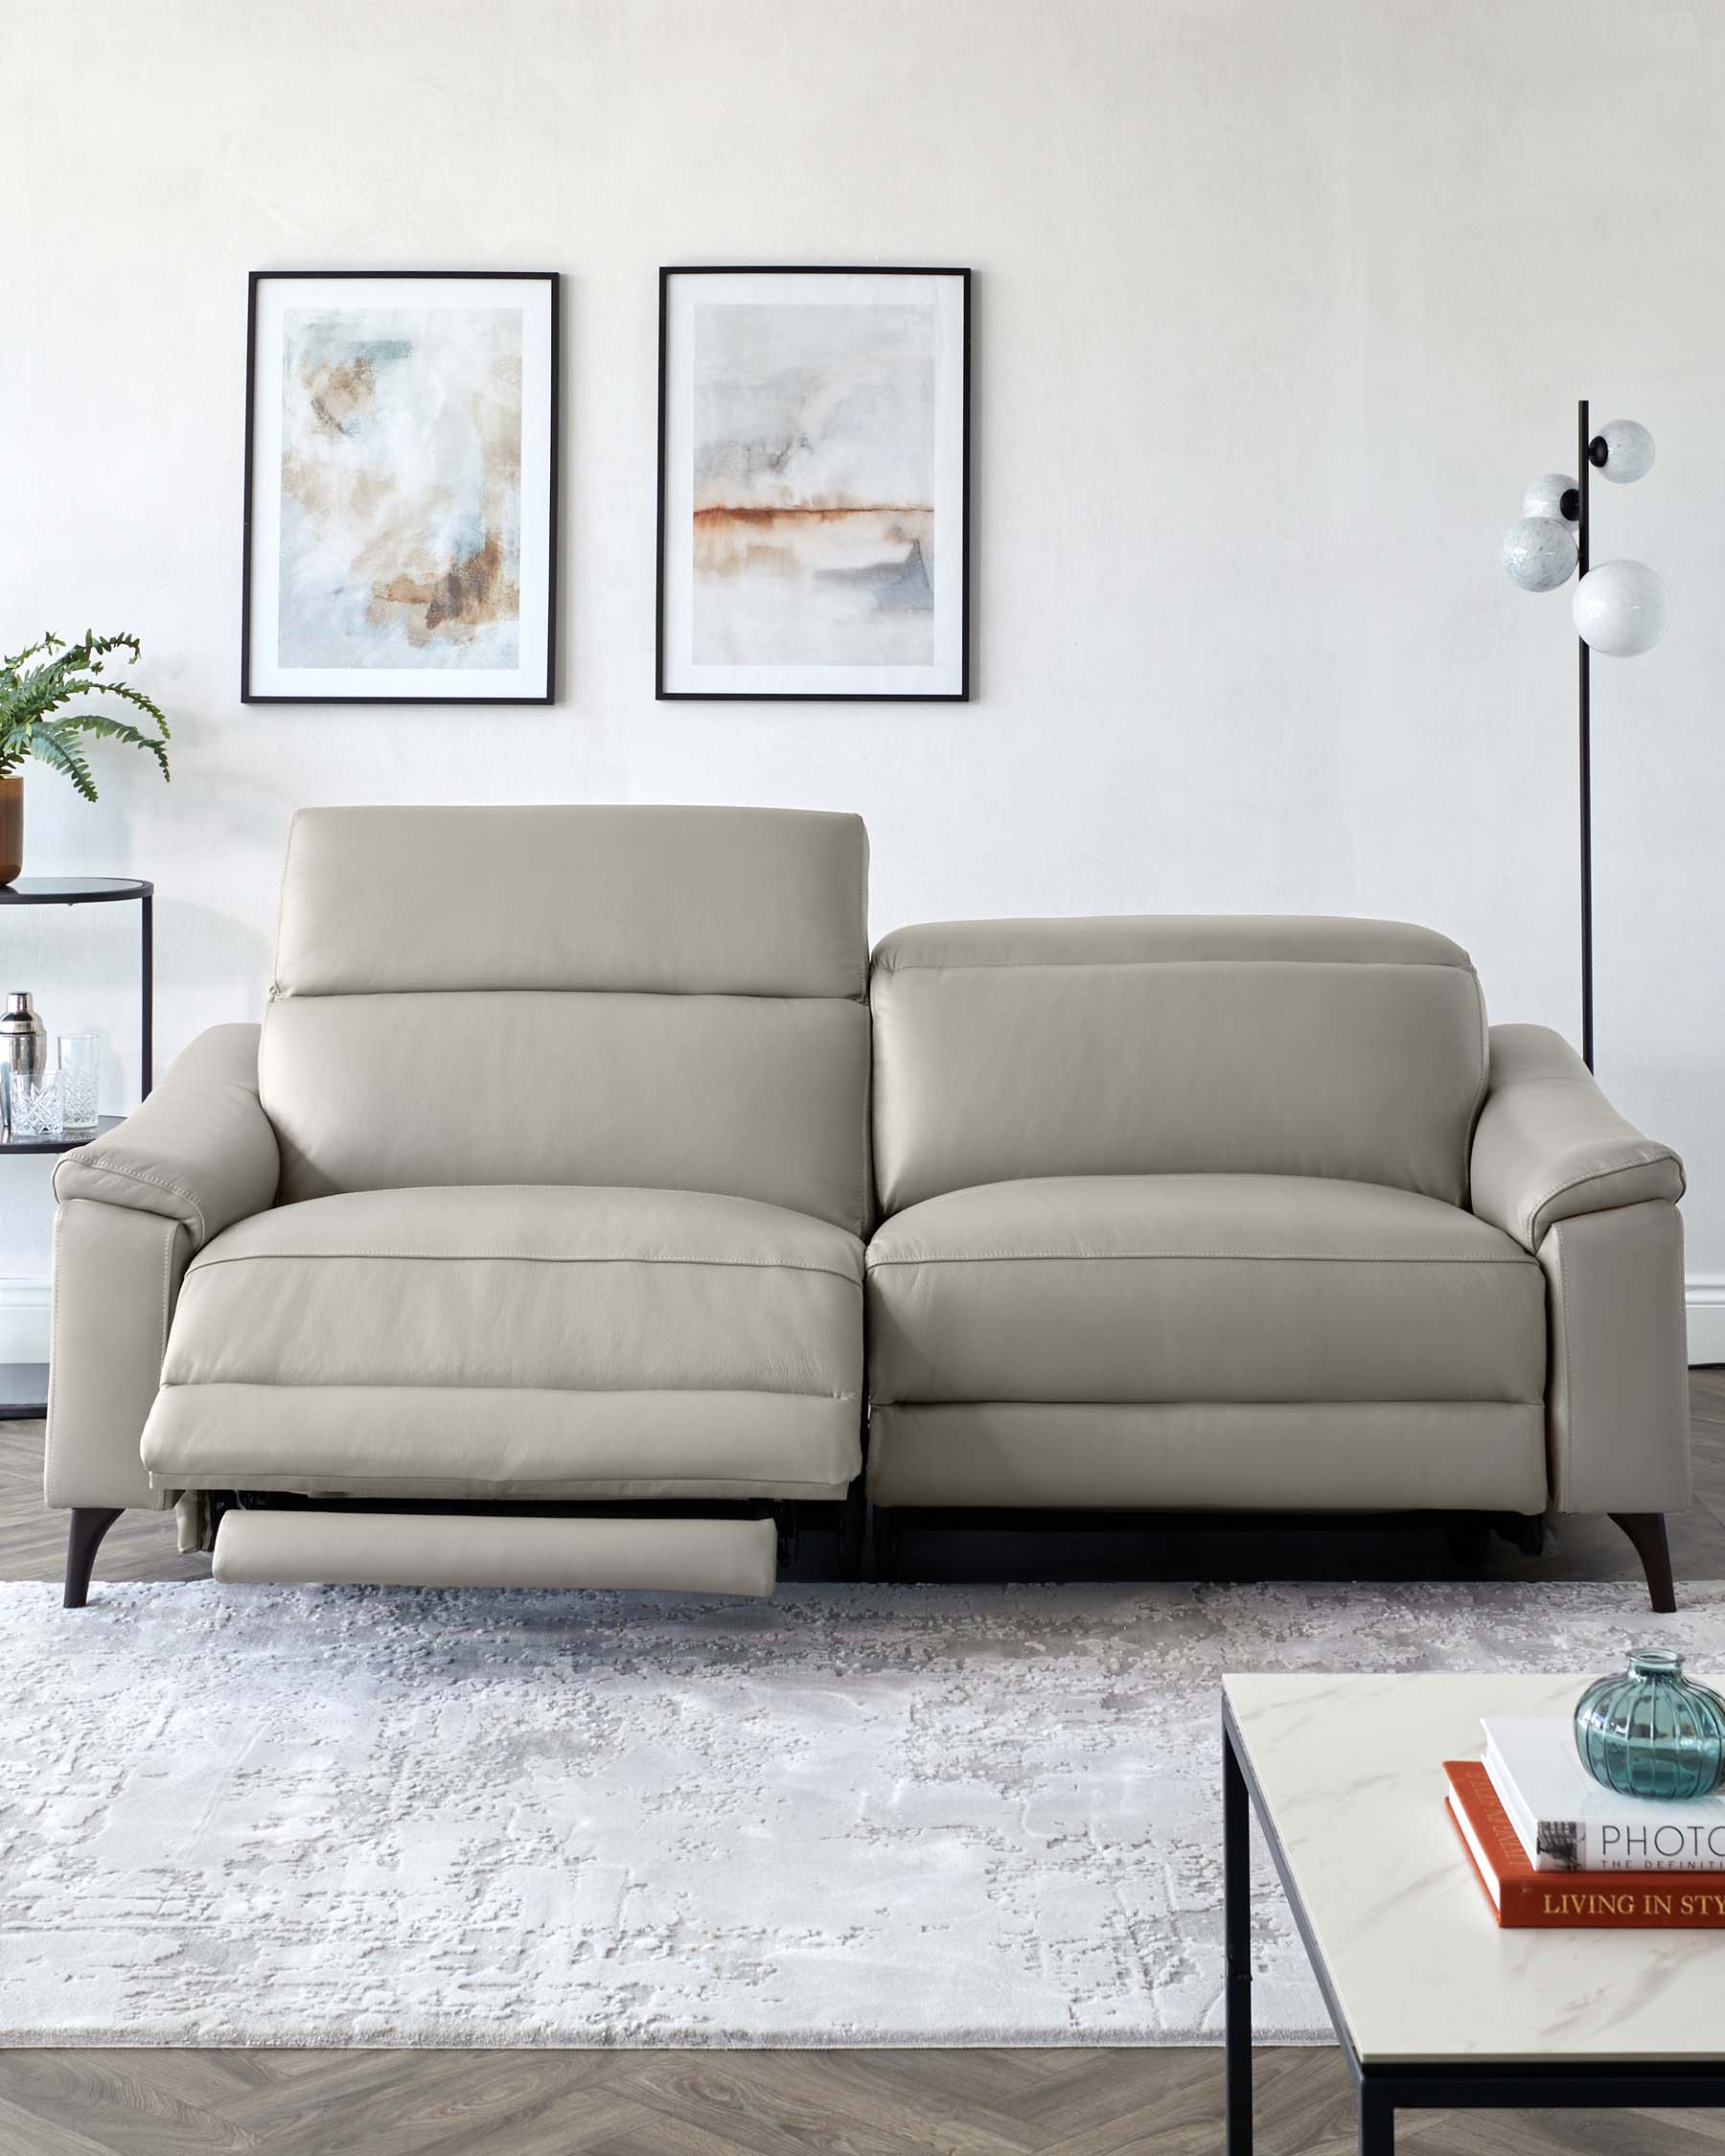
24 1385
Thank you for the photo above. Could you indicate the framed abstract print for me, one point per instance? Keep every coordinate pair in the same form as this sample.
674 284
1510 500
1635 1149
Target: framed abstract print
814 528
401 487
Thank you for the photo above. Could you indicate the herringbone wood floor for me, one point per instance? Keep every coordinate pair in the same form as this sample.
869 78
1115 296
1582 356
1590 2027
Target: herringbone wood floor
787 2103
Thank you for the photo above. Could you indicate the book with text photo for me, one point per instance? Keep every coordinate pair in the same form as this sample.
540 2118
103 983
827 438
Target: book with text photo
1566 1822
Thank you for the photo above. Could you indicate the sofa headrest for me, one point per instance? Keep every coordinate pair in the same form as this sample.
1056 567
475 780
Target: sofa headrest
673 901
1168 1046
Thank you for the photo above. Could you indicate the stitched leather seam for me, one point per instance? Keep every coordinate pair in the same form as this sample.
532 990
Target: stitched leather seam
765 1204
90 1159
1128 965
795 996
520 1485
865 1215
1656 1158
859 994
54 1317
170 1496
167 1282
576 1391
729 1196
1157 1406
1482 1094
1229 1258
1565 1327
275 954
528 1257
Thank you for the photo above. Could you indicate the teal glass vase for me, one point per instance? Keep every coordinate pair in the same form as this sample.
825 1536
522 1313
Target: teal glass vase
1654 1732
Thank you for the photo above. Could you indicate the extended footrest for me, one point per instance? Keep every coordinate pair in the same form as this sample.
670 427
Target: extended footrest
447 1549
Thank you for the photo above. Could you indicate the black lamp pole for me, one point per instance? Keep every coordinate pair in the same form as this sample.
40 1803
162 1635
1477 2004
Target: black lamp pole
1626 611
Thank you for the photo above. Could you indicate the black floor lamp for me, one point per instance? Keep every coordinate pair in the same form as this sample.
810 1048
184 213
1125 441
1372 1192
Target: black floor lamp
1620 608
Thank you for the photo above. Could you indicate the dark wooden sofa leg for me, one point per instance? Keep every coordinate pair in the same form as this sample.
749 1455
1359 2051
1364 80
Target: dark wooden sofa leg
83 1538
1647 1531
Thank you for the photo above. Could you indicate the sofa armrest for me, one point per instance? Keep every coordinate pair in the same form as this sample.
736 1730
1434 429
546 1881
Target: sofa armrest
1557 1167
200 1155
116 1275
200 1151
1549 1146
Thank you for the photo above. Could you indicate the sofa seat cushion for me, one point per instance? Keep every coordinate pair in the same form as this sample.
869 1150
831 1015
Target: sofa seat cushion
1199 1288
546 1339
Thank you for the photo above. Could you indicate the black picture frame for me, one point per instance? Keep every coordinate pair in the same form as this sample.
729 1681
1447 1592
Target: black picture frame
960 694
553 281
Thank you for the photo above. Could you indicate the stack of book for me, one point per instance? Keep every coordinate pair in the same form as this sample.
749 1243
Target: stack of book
1551 1846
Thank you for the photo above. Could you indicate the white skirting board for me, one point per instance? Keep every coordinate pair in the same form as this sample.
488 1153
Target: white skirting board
24 1319
1705 1298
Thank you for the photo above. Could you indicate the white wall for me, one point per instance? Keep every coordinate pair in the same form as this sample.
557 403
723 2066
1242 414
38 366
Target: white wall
1279 304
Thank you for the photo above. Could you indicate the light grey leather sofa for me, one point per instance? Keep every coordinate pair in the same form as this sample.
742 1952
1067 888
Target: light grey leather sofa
542 1184
1234 1214
524 1243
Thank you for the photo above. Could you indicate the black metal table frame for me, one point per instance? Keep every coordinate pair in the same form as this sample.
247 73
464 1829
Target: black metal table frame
124 890
1385 2089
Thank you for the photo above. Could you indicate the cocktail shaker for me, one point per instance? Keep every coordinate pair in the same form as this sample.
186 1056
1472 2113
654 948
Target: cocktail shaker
23 1047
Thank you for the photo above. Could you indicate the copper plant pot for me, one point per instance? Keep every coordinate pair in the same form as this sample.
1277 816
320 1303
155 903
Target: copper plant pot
11 827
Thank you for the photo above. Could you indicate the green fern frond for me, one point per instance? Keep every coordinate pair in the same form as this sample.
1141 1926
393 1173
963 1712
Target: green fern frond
31 695
103 728
54 749
130 696
49 643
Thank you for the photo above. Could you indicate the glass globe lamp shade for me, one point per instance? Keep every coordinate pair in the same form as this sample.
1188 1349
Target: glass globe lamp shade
1628 452
1620 608
1545 499
1539 552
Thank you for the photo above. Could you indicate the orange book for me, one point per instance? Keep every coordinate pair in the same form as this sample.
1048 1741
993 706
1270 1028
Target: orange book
1522 1898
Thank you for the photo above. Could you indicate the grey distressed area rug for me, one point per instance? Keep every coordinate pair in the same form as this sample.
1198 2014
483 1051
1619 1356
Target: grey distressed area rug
852 1816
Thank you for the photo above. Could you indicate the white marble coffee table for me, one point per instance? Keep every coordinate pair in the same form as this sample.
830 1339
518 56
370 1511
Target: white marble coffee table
1434 2007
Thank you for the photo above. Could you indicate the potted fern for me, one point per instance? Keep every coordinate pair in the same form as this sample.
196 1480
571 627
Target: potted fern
41 716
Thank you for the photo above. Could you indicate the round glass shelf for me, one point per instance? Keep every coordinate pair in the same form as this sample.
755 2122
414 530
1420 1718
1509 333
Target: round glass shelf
72 890
103 1125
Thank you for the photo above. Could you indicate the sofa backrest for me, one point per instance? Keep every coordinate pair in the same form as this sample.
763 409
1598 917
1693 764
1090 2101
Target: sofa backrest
1003 1050
668 998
